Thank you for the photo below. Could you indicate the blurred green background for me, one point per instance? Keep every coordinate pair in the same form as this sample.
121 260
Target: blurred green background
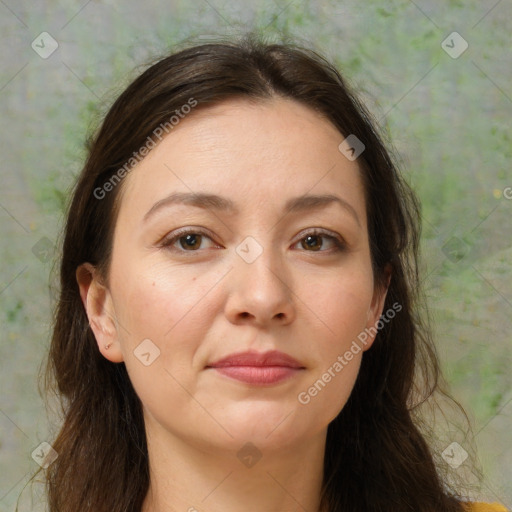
447 115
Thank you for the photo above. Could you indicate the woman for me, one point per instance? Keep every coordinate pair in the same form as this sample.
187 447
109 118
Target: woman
236 328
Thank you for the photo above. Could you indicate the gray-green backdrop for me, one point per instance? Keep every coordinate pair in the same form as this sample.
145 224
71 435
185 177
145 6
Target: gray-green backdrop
436 74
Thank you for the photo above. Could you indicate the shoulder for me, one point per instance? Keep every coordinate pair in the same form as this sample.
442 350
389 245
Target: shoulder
485 507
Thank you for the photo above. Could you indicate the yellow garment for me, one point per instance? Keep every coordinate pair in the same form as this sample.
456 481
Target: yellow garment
487 507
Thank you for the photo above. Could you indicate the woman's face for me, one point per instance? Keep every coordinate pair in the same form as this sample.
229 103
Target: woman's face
268 264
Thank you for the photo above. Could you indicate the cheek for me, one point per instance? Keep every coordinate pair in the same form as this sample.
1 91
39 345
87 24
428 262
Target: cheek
157 301
327 393
169 307
341 304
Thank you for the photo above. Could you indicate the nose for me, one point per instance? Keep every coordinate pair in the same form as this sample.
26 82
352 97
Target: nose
261 292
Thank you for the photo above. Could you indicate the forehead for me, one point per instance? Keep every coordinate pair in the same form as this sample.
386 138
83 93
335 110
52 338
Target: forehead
247 150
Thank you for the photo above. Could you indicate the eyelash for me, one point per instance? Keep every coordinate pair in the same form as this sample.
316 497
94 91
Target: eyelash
339 245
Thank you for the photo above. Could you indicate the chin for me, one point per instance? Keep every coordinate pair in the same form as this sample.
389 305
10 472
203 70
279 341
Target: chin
265 424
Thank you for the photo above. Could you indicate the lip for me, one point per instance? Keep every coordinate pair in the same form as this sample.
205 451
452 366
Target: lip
258 368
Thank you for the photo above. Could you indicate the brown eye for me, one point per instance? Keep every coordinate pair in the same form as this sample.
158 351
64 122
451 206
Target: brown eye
313 242
318 241
190 241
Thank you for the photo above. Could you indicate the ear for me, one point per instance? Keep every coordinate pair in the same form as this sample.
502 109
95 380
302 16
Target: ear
99 308
377 307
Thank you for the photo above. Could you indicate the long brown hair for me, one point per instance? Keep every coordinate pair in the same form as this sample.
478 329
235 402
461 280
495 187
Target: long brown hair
376 457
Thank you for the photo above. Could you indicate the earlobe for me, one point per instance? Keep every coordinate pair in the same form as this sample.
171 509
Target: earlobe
98 305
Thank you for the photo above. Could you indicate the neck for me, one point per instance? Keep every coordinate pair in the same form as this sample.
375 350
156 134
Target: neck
189 477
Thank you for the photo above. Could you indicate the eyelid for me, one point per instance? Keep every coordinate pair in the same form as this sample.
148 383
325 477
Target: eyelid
170 239
338 241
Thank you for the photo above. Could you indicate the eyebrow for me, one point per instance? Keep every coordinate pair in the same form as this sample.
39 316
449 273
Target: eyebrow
219 203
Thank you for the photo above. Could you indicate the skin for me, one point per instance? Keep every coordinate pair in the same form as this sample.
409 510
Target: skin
200 305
